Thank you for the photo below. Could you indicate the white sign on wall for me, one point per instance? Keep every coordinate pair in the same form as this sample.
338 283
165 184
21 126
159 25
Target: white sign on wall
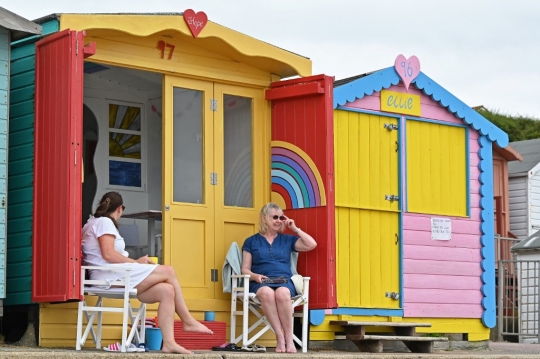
441 229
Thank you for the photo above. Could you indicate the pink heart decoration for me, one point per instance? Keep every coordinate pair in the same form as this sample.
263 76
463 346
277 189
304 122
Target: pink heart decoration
407 69
195 21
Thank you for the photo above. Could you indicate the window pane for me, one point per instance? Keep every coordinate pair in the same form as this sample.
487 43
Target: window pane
187 146
125 174
124 117
124 145
237 115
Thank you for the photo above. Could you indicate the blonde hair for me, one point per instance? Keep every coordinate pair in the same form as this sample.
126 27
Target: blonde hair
265 212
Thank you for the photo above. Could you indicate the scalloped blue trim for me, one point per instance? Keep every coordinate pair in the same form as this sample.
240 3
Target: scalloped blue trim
489 317
316 316
385 78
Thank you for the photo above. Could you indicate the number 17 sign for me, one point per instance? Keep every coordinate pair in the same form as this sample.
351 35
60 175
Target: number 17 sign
407 69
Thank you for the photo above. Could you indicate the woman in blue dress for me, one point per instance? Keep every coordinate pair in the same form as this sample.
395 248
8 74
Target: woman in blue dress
268 254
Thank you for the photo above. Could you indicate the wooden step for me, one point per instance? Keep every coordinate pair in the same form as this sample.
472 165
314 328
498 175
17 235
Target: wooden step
405 338
405 331
378 324
356 330
374 343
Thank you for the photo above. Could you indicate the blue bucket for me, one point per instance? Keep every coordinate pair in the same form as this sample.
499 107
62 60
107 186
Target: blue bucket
153 338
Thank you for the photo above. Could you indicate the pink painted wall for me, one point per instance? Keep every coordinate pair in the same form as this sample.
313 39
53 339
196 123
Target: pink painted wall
441 278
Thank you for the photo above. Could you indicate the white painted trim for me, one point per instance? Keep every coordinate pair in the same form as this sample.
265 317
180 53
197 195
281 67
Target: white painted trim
527 206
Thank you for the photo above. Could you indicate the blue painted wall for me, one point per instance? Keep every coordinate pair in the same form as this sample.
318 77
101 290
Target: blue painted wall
21 170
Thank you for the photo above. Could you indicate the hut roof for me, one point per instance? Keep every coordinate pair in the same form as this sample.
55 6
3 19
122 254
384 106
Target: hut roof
530 243
348 90
214 37
530 150
18 25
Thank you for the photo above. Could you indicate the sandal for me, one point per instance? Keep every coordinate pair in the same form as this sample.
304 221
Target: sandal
259 348
143 347
248 348
116 347
226 347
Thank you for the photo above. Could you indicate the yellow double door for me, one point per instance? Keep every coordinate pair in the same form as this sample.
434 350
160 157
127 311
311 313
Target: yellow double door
213 163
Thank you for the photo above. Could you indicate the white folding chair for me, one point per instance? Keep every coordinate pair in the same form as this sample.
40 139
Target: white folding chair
130 233
250 303
120 290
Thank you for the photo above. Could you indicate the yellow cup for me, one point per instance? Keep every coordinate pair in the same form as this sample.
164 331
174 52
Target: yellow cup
154 259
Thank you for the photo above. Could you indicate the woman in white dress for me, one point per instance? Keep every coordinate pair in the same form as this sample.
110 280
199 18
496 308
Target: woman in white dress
103 246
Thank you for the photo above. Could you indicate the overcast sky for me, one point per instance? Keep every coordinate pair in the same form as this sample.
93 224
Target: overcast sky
484 52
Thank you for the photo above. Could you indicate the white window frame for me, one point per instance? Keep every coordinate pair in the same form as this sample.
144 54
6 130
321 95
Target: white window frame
141 133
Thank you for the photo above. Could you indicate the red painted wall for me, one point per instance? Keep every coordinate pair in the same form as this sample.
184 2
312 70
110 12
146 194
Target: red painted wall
302 115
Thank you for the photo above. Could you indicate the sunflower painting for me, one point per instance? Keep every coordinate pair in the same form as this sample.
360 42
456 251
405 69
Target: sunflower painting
125 143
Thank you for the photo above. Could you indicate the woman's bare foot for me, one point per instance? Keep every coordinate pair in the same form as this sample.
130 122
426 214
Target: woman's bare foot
280 346
195 326
291 348
175 348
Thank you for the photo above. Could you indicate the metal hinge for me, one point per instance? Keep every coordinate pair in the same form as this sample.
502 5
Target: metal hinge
213 104
213 275
393 295
391 197
390 126
213 179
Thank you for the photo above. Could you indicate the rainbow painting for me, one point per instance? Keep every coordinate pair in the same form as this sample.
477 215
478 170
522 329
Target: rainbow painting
296 181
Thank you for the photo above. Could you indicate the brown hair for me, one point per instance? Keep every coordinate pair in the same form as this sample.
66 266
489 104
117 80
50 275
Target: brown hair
108 204
265 212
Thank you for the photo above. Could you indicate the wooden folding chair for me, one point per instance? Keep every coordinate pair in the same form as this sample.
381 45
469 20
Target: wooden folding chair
250 303
118 290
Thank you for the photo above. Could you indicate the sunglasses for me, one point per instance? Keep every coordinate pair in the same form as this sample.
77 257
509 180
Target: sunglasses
281 218
123 208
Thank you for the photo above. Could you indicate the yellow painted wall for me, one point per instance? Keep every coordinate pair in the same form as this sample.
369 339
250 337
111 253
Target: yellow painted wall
367 225
436 168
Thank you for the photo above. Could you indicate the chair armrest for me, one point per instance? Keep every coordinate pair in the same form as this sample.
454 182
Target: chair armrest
95 282
107 268
240 281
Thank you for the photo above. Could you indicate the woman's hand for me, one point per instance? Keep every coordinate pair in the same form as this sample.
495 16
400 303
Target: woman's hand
257 277
145 260
289 222
305 242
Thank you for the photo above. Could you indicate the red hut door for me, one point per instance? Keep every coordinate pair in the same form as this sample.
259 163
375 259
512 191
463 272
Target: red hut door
303 173
57 167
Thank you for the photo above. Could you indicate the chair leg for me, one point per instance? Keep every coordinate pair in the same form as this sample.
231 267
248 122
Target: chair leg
233 318
245 322
79 325
125 316
99 323
305 323
143 322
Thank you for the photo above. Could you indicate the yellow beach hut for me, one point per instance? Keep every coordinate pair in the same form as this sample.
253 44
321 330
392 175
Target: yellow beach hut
170 115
